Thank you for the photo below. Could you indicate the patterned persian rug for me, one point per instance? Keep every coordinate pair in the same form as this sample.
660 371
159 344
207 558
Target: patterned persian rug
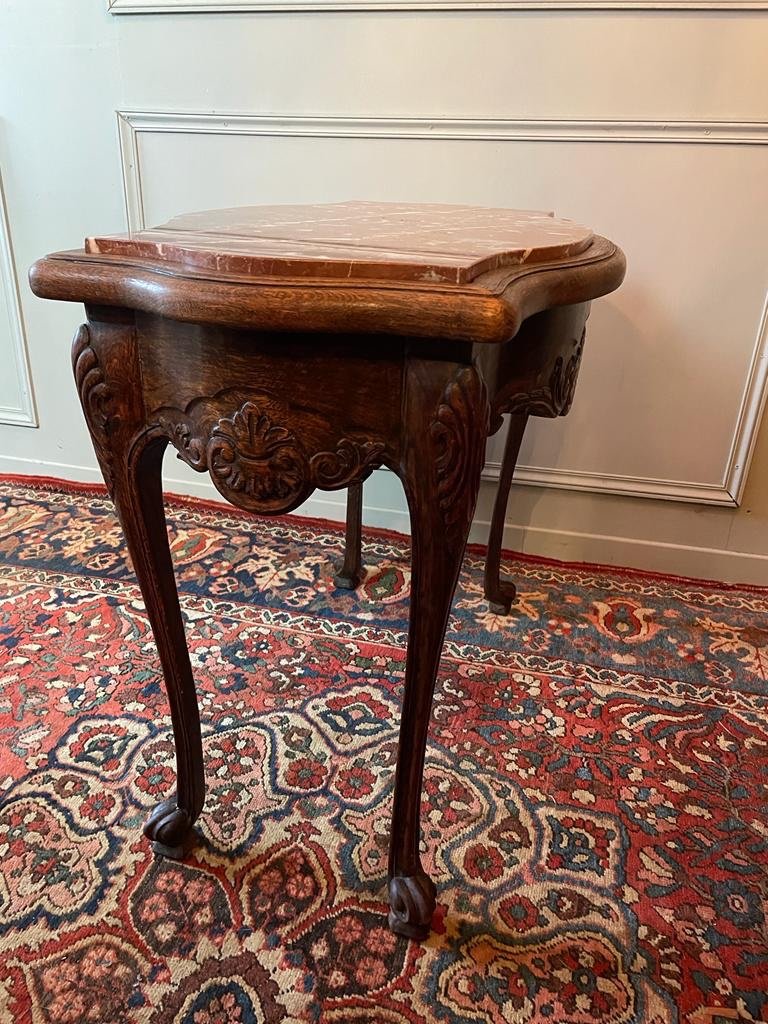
595 808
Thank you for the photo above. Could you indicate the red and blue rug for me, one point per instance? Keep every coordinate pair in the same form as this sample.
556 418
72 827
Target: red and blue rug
595 806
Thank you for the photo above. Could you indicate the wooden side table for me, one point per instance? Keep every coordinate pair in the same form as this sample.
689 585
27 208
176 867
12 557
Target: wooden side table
284 349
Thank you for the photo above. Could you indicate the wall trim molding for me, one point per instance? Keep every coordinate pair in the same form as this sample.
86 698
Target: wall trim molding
23 415
132 123
252 6
610 483
728 492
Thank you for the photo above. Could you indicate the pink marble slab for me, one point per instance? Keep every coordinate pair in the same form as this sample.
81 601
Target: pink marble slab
355 240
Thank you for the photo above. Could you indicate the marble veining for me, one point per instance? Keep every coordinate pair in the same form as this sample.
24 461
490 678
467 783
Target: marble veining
436 243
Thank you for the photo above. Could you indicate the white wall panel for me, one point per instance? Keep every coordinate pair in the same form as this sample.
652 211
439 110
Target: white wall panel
528 64
678 352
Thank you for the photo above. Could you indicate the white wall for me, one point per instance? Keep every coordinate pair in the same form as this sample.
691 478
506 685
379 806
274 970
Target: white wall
649 125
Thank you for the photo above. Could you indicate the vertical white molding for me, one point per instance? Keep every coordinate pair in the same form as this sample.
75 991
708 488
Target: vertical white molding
131 169
750 415
16 360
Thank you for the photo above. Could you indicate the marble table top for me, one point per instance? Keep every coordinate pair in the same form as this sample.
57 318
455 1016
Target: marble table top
355 240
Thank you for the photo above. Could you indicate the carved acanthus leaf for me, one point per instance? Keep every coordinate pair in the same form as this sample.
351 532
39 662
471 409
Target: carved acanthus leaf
331 470
96 398
180 432
556 397
570 376
461 418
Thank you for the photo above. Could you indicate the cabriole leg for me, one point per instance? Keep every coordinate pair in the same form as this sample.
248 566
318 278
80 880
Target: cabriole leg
108 378
501 593
445 431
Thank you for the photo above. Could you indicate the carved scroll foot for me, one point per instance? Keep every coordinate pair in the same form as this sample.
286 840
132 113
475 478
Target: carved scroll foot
169 827
412 904
351 572
346 582
501 597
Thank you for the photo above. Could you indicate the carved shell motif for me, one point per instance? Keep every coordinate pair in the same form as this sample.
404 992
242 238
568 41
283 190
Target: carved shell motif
261 465
461 418
249 456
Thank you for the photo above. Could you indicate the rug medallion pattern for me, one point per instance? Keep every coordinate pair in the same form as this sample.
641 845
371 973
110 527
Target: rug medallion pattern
595 804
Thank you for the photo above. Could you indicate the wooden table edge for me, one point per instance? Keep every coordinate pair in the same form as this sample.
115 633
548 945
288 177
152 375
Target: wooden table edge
489 310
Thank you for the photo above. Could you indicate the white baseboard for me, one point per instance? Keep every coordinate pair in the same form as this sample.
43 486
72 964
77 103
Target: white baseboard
630 552
386 508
